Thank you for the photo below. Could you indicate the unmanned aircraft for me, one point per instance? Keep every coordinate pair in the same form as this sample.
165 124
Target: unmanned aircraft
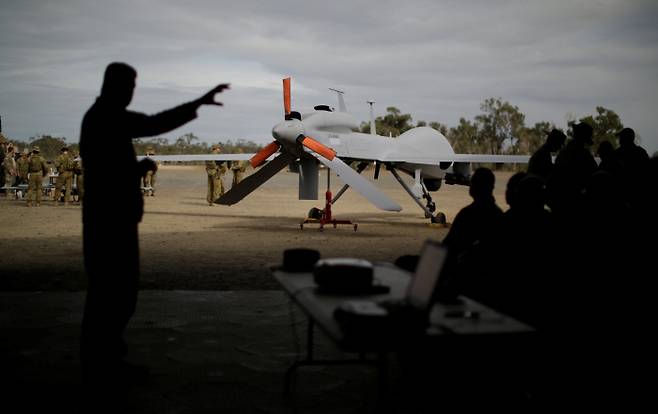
327 137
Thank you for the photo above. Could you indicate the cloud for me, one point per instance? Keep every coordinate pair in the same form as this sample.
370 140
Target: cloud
434 59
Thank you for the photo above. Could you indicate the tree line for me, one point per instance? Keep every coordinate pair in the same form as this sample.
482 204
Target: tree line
50 146
499 129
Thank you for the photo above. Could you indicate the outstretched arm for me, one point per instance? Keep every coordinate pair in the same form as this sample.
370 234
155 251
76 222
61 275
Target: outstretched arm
142 125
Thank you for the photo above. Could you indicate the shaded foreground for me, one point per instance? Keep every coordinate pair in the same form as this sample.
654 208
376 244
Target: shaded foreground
207 352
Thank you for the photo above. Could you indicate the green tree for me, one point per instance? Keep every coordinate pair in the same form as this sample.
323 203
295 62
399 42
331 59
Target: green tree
49 146
533 138
501 125
465 137
605 124
248 147
442 128
185 145
393 123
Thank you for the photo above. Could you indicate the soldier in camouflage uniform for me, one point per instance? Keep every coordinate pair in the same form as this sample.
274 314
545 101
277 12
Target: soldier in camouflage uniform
9 167
65 166
148 180
37 169
215 170
238 168
3 150
79 181
23 167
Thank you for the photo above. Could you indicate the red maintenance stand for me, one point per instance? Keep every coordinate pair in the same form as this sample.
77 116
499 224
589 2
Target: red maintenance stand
326 217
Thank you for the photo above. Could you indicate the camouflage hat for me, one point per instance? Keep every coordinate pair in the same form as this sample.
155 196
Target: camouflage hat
26 151
35 148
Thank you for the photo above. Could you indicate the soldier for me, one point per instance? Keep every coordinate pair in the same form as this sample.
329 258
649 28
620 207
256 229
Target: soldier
148 180
214 171
9 167
77 170
238 167
37 169
23 166
65 166
3 150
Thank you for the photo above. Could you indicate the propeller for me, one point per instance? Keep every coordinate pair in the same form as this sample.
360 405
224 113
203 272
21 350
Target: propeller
258 178
318 147
255 180
262 155
292 141
354 179
286 97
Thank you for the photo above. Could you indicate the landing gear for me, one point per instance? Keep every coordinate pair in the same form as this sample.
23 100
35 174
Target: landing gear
430 207
439 218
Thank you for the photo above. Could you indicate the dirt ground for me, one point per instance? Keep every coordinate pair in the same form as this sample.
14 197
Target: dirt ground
186 244
210 324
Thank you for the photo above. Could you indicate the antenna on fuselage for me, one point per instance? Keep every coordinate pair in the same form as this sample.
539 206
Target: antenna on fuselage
341 101
373 129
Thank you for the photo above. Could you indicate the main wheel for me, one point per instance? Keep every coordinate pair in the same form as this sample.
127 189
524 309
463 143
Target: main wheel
440 218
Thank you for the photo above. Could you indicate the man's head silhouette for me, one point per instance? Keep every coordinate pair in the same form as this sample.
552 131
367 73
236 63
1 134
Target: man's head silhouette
582 132
482 184
555 140
118 84
626 137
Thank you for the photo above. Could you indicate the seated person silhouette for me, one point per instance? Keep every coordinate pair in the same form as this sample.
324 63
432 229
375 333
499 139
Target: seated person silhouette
472 223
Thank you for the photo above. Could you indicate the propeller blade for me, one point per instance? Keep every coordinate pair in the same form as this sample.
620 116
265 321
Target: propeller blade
264 154
255 180
286 96
318 147
360 184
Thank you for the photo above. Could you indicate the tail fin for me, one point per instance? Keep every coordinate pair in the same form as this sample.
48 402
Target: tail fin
341 101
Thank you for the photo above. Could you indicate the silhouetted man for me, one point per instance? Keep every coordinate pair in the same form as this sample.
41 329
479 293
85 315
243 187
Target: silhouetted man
632 155
112 208
634 162
471 225
574 165
541 162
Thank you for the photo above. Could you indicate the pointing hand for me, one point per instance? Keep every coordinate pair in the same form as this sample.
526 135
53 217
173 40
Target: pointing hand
209 98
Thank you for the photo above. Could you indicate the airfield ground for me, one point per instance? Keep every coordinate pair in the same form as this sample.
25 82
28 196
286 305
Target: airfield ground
186 244
211 322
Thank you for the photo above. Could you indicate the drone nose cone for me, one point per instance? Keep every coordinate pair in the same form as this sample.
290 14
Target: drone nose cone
277 132
288 131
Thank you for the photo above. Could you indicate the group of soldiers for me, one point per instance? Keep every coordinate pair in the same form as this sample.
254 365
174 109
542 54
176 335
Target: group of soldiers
216 171
30 168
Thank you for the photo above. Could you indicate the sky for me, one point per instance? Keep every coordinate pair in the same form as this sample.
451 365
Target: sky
437 60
